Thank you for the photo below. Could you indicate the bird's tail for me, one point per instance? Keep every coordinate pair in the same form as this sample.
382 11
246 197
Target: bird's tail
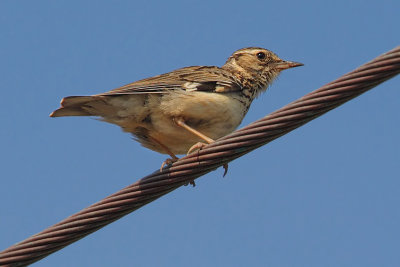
80 106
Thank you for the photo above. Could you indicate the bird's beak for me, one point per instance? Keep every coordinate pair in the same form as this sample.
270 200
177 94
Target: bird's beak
283 65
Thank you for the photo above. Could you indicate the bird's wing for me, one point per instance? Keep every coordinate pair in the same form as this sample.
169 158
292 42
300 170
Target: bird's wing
198 78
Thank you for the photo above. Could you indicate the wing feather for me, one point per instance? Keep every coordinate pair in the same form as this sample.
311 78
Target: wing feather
197 78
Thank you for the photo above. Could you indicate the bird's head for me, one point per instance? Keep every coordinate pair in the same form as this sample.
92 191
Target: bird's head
257 63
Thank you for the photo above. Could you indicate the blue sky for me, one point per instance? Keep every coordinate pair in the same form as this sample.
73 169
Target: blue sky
326 194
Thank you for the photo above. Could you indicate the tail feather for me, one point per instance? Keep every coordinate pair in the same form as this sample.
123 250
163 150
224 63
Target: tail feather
77 106
70 101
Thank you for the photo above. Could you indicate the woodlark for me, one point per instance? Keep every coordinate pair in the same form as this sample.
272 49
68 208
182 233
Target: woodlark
173 113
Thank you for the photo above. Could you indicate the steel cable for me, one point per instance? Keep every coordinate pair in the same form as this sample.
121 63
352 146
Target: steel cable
201 162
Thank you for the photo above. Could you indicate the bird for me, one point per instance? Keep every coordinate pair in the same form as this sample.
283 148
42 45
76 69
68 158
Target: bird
180 111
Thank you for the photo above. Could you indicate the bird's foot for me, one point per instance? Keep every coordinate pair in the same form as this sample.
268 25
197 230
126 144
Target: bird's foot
197 146
168 162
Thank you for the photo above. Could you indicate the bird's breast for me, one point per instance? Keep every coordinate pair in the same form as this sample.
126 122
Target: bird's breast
212 113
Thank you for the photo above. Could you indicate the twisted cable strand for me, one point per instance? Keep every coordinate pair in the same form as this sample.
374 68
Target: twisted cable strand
199 163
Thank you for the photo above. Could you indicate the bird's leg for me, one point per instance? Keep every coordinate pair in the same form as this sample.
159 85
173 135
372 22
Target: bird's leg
180 122
199 145
168 161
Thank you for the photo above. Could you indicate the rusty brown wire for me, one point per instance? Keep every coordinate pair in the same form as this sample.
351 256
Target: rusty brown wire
211 157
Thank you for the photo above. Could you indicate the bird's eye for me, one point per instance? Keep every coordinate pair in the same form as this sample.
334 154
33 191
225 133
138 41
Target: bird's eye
260 55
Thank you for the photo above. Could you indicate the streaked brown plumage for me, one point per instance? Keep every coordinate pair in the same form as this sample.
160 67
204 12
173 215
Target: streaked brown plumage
170 113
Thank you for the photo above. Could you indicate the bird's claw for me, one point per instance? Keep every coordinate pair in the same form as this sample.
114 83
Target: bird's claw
168 162
225 169
191 183
197 146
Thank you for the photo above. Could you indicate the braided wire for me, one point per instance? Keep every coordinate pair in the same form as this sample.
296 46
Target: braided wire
203 161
